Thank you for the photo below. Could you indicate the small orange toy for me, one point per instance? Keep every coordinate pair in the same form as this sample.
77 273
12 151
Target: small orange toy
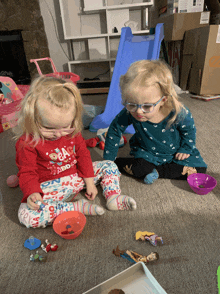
100 140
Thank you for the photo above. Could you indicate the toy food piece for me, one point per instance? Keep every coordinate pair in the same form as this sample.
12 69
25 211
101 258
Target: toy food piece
12 181
32 243
68 231
148 236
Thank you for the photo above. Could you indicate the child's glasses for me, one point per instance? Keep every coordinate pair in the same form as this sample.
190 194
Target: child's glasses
146 107
53 132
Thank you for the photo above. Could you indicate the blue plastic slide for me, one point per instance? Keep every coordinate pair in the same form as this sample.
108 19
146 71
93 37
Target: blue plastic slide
131 48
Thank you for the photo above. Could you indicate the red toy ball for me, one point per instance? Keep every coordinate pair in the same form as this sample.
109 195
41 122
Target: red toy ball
13 181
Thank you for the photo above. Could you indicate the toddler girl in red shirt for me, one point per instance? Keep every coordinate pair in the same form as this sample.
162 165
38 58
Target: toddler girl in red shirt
52 158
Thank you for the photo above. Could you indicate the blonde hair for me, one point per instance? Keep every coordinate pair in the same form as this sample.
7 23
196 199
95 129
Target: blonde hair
146 73
59 93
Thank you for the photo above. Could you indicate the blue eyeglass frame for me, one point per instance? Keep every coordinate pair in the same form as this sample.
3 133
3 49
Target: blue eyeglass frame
140 105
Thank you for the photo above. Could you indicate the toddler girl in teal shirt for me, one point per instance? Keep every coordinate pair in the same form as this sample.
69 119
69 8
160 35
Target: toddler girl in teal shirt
164 143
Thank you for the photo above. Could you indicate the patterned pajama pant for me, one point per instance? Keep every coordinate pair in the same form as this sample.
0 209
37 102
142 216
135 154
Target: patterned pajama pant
57 192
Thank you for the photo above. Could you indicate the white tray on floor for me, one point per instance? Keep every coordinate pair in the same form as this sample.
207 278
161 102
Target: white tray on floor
137 279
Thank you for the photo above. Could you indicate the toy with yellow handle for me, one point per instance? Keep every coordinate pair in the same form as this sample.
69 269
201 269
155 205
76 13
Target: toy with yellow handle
148 236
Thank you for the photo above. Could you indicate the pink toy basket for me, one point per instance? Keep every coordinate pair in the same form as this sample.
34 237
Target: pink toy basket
64 75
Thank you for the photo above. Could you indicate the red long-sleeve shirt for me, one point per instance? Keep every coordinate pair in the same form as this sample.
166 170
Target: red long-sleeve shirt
51 160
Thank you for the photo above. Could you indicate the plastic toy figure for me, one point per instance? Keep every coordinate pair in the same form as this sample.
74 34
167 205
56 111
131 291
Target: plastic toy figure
49 247
147 236
37 257
41 205
46 249
135 257
100 140
32 257
4 100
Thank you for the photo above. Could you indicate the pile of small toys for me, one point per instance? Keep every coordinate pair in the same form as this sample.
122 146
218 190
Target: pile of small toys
135 257
33 243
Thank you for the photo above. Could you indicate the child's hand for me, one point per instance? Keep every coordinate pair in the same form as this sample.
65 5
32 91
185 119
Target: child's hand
32 199
91 192
182 156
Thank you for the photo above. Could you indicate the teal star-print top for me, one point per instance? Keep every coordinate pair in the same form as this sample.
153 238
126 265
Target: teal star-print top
154 141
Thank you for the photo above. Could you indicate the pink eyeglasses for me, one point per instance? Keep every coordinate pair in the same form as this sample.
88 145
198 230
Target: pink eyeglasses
53 132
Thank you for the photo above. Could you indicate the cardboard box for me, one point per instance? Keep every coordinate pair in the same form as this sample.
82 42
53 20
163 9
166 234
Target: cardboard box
134 280
174 50
168 7
176 24
200 73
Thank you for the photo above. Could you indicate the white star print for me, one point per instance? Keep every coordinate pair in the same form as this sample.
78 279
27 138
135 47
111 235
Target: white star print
183 126
164 160
107 151
172 130
155 126
163 130
153 148
111 138
116 144
151 138
145 129
190 141
186 134
171 145
173 148
164 142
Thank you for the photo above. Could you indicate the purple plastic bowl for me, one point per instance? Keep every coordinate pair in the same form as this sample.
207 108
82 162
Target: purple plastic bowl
201 184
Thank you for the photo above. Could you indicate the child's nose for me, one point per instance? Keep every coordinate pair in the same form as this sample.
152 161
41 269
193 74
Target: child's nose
139 110
58 134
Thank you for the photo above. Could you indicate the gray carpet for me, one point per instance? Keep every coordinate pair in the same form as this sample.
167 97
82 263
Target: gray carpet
188 223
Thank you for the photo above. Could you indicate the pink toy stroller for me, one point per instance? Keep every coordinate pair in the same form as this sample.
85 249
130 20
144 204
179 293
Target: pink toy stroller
64 75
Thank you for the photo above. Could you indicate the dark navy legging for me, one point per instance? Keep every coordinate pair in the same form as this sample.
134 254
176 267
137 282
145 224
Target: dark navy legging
141 167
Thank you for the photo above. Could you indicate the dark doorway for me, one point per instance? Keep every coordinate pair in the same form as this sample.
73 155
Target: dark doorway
13 61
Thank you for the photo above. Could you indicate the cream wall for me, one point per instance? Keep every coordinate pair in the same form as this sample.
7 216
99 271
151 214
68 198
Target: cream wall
53 25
